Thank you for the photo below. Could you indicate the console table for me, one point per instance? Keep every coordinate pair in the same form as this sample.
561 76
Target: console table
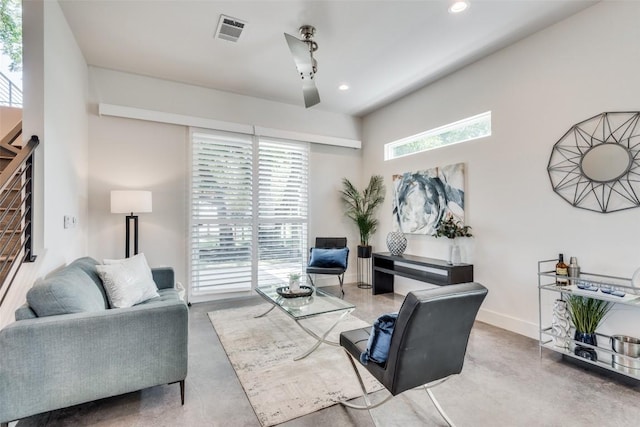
430 270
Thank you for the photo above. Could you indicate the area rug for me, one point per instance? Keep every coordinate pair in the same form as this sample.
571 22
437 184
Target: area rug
261 351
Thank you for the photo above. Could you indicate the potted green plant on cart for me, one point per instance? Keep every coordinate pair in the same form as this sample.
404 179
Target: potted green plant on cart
586 315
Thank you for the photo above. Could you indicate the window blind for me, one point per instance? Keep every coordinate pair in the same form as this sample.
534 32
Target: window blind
282 209
248 211
221 212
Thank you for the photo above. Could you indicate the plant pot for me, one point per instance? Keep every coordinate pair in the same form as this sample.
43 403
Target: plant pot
364 251
586 352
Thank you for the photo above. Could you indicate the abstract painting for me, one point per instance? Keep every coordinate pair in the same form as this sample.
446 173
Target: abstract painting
422 199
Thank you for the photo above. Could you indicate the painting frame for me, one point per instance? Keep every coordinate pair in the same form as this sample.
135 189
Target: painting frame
422 199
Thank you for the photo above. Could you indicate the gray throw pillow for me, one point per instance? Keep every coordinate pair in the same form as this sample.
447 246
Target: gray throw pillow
69 290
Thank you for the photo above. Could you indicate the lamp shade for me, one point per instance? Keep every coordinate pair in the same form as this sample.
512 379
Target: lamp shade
127 201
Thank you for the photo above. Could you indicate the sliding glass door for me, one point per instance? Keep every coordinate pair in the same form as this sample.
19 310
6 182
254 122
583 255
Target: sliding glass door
248 211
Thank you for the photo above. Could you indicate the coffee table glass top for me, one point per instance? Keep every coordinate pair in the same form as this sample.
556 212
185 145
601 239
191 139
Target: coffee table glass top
319 302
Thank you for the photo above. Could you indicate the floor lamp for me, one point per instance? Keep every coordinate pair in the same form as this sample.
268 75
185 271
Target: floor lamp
127 201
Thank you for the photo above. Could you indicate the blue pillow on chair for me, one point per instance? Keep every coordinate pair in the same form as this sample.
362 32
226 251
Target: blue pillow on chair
380 339
327 258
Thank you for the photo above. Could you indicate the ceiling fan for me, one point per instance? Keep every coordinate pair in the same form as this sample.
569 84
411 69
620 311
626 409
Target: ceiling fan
302 51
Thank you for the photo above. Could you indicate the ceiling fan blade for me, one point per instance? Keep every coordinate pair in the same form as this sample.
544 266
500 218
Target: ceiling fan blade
300 52
310 93
304 63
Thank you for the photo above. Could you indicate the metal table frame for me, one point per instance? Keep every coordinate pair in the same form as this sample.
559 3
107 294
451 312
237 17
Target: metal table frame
281 302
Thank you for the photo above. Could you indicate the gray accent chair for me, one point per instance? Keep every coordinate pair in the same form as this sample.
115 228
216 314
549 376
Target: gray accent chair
428 343
329 243
68 347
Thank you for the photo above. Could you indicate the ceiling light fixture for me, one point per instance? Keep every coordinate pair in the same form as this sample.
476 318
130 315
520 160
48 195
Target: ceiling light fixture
458 6
343 87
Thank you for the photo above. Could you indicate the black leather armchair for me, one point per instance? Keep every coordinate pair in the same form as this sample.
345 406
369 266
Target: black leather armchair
329 243
428 344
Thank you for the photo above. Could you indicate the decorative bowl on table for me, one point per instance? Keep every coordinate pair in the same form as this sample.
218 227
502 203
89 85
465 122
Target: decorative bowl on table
285 292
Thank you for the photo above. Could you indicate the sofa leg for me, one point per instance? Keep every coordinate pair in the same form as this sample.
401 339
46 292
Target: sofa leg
4 424
181 393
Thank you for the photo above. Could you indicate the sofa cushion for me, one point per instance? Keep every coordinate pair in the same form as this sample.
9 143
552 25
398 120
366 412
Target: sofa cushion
88 265
68 290
128 281
25 312
163 296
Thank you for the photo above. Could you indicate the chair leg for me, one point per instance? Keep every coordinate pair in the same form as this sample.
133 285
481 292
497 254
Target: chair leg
182 392
368 405
439 408
311 281
341 279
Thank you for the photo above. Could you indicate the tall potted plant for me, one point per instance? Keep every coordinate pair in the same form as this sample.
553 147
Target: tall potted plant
586 315
361 207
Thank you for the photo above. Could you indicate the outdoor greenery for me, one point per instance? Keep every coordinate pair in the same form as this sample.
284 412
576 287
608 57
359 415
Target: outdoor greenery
465 133
587 313
451 228
11 32
360 207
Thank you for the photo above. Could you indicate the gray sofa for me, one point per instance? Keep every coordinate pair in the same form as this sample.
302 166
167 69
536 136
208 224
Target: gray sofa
68 347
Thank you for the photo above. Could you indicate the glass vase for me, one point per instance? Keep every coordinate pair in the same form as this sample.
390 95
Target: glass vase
454 253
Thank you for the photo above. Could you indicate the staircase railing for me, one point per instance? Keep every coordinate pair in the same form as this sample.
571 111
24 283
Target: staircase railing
10 94
16 206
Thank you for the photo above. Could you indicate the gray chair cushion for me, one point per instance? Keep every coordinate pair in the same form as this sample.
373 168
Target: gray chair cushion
69 290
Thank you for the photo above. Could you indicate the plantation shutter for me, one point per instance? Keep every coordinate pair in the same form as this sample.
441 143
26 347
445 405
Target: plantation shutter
221 212
282 209
248 222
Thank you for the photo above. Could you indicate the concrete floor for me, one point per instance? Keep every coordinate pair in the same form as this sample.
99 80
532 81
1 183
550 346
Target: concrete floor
504 383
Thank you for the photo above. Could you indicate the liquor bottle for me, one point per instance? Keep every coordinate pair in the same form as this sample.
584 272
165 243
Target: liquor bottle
562 272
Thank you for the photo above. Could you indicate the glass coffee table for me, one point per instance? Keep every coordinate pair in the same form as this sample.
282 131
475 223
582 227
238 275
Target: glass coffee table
300 308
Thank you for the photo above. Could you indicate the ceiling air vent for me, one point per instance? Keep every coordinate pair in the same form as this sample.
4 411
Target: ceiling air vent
229 28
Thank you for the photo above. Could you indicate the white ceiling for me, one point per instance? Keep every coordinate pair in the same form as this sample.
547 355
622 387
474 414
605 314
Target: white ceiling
382 49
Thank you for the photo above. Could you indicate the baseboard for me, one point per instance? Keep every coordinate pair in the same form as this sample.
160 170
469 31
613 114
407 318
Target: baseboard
509 323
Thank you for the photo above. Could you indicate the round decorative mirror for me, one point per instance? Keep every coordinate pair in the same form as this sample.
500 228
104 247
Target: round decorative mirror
594 165
606 162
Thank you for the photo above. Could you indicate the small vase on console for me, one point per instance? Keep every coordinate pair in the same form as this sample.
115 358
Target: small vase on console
454 253
396 243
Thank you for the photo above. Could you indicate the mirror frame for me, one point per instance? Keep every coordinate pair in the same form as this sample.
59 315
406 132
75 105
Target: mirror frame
565 163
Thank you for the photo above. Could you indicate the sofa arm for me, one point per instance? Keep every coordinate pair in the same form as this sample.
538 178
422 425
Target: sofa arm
59 361
164 277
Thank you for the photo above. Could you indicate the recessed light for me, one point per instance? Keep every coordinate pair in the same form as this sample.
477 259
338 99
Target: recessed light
343 86
458 6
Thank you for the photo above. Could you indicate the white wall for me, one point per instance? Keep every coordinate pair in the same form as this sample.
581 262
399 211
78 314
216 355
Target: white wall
536 89
129 154
55 99
126 153
66 139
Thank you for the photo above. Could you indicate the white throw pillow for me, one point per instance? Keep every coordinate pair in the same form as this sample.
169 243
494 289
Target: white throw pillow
127 281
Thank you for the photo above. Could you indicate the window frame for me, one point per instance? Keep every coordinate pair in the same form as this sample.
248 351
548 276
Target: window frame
441 130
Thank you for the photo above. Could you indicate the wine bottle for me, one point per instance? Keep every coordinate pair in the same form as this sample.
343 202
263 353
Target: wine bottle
562 272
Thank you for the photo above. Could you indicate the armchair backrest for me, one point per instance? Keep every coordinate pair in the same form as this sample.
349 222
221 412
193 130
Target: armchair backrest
430 338
331 242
